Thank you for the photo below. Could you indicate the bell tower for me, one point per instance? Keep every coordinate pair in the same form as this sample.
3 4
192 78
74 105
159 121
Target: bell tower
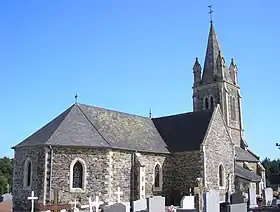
217 84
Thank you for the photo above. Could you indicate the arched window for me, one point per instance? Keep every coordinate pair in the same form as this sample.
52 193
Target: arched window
77 175
221 176
206 103
211 102
157 177
233 108
27 175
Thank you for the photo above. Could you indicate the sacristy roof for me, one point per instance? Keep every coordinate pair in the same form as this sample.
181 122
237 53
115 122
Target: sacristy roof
246 174
87 126
244 155
184 132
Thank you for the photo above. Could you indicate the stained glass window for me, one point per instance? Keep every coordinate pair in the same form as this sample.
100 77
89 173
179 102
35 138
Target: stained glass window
78 175
157 175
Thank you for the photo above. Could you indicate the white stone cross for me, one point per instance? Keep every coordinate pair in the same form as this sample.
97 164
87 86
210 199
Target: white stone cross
97 203
74 203
90 205
119 193
32 198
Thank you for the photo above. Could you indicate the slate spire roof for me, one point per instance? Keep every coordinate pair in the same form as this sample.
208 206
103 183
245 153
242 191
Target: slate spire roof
213 58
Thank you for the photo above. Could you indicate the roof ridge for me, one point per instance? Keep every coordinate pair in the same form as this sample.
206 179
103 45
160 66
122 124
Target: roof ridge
111 110
181 114
93 125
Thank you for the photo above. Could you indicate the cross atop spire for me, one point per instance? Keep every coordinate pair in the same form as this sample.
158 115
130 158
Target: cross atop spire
210 12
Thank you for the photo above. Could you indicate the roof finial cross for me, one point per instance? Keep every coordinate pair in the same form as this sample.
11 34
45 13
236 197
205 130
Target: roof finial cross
76 98
210 12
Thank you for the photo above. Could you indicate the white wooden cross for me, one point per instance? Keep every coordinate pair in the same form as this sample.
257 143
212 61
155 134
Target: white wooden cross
32 198
119 193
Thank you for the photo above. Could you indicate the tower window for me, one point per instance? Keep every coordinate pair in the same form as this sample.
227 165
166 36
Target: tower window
221 176
206 103
211 102
233 108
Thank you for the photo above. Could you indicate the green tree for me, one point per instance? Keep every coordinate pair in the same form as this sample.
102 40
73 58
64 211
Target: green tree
6 174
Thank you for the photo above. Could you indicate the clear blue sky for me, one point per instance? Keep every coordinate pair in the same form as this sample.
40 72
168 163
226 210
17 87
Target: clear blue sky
130 56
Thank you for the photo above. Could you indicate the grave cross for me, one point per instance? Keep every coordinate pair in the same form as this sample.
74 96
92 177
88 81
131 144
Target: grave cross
56 206
32 198
119 193
90 205
97 203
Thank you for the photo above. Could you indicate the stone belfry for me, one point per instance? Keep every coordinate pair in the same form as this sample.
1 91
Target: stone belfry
215 83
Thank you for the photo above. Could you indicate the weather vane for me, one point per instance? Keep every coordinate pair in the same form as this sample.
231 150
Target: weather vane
210 12
150 113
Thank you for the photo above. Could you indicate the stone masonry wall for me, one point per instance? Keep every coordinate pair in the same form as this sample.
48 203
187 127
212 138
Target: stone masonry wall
97 173
106 171
20 194
218 150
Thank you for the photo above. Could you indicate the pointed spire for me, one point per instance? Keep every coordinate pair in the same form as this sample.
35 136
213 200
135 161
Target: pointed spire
233 71
214 60
196 72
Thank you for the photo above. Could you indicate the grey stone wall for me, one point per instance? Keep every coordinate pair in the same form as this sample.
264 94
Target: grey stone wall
97 173
218 150
20 195
106 171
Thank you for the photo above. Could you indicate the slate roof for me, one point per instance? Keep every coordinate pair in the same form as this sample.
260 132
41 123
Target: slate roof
184 132
246 174
88 126
243 155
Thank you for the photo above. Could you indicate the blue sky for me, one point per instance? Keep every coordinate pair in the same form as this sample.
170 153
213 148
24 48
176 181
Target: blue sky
131 56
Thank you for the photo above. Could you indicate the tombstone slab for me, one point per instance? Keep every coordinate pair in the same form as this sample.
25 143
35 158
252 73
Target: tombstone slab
139 205
252 198
241 207
117 207
156 204
211 201
236 197
187 202
268 196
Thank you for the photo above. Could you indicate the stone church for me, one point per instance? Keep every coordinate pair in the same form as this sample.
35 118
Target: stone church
89 151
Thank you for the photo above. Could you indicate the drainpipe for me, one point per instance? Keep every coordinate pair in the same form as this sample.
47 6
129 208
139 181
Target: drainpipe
133 173
50 189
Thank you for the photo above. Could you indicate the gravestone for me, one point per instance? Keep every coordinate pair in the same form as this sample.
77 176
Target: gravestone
236 197
156 204
187 202
211 201
268 196
139 205
32 199
252 198
241 207
117 207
